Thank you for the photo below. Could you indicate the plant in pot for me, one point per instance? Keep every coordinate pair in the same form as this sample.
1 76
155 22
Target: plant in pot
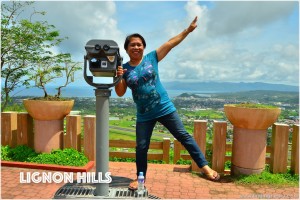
49 111
250 123
27 56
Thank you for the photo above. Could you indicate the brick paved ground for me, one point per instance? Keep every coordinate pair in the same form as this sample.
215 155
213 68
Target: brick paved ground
164 181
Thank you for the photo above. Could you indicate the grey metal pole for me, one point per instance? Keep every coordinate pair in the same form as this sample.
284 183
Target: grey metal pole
102 139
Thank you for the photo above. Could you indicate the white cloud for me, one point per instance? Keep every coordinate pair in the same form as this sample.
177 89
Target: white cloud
291 51
233 43
233 17
81 21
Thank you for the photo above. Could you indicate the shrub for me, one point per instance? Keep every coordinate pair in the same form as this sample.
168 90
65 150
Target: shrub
4 153
254 105
22 153
66 157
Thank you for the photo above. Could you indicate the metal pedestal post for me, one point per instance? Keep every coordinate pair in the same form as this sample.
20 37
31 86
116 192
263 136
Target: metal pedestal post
100 190
102 139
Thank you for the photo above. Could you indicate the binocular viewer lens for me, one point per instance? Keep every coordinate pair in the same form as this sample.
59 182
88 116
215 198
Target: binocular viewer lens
105 47
97 47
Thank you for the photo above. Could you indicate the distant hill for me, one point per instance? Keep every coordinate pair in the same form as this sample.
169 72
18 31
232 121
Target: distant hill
261 96
186 94
173 88
228 86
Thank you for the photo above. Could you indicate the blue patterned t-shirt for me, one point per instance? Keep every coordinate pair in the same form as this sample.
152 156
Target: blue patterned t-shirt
150 96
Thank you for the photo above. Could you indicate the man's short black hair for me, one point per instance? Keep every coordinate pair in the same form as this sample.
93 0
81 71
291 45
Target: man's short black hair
127 40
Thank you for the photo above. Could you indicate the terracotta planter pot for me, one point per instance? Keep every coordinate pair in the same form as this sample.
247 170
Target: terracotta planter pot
249 137
48 110
48 122
251 118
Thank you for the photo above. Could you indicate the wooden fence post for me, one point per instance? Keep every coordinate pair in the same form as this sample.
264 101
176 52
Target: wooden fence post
89 136
177 148
295 150
279 148
219 146
72 138
25 130
200 127
166 150
9 128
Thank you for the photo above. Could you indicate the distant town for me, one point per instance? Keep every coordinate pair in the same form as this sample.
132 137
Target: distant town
193 106
287 101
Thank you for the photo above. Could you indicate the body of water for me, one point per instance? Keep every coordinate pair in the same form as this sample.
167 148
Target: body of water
89 92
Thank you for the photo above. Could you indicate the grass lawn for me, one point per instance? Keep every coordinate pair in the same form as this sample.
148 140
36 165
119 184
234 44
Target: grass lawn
129 130
120 135
266 178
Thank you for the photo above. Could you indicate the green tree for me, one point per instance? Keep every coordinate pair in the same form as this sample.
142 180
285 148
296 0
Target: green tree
50 68
24 44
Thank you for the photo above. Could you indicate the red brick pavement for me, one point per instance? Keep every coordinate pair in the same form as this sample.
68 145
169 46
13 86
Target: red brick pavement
164 181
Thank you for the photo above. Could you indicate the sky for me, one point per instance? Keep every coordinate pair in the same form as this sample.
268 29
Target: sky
235 41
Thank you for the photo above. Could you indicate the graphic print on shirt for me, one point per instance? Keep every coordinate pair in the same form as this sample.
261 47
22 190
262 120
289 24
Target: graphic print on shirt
142 81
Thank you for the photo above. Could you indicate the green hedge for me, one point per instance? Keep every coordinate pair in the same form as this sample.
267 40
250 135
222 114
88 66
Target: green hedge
65 157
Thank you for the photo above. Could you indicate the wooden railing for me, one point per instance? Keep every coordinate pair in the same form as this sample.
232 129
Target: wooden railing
278 153
17 129
164 146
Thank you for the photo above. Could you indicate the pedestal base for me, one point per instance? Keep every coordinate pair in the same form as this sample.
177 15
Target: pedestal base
248 151
48 135
239 170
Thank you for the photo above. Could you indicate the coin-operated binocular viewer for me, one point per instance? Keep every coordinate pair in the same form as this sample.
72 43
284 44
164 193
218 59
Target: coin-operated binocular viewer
103 57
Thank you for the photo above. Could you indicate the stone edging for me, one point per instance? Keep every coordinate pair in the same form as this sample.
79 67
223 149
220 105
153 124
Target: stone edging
52 167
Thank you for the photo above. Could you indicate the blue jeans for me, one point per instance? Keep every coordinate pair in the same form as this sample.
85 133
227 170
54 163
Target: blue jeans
173 123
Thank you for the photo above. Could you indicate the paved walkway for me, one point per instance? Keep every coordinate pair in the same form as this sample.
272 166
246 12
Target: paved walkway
164 181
